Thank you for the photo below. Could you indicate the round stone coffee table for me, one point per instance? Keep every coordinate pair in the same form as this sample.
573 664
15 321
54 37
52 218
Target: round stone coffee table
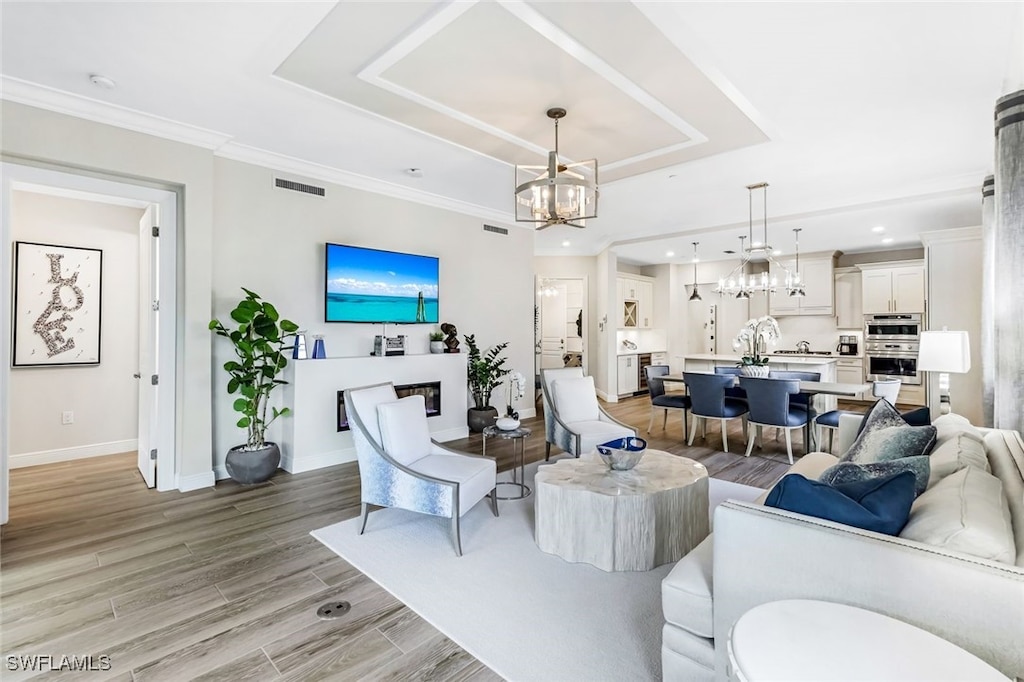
621 520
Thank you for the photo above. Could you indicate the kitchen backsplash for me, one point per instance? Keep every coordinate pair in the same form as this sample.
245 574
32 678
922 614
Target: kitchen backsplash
819 331
646 340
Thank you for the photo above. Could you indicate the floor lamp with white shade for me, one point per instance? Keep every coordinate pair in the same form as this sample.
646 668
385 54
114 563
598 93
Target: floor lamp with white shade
944 352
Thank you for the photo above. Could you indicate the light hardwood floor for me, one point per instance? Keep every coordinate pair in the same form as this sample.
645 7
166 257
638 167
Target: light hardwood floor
223 583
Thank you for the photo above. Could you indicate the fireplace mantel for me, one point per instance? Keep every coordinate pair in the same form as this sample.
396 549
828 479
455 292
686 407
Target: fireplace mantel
310 439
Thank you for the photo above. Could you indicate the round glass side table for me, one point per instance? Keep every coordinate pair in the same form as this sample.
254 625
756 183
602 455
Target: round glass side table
517 436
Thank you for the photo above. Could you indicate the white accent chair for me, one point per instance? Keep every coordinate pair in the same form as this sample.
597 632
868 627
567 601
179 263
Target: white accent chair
401 466
573 419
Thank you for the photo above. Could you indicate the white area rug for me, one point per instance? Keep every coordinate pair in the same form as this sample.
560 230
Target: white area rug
525 614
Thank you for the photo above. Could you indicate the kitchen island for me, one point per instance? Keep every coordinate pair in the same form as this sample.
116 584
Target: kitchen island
825 365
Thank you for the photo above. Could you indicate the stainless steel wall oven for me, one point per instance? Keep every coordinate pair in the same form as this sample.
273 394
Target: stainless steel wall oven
891 344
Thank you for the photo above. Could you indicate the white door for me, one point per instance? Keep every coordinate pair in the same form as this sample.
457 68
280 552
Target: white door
553 312
148 342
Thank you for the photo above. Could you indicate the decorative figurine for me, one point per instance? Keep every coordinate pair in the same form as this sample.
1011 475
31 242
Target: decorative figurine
452 342
318 348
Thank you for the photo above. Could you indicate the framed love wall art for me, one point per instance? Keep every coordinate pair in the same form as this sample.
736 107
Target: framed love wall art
56 305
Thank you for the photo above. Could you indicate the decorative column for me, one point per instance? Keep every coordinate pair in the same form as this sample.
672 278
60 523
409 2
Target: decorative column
1008 311
988 292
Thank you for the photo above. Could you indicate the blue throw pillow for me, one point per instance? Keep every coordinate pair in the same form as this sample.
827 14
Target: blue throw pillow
881 505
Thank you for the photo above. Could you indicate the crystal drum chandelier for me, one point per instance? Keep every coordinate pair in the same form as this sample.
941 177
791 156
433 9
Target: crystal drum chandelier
558 193
740 284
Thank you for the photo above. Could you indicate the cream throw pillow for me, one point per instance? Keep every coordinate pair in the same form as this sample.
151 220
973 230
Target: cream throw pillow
576 400
965 512
403 429
953 454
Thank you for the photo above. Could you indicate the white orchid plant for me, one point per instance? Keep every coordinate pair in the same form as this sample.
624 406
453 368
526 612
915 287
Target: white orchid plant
755 337
515 390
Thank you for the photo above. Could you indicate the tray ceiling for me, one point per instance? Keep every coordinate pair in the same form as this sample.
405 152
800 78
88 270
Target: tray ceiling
636 105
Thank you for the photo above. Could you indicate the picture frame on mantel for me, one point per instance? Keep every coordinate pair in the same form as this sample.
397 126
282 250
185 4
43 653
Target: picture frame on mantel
57 305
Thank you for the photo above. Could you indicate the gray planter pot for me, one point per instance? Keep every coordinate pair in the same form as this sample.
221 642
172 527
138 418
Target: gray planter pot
253 466
479 420
437 346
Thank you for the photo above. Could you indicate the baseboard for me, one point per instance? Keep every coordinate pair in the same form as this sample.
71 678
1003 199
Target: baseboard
450 434
206 479
298 465
29 459
607 397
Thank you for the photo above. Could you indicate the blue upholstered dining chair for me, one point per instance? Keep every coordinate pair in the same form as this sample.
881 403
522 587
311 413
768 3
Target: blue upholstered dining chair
770 405
886 389
573 419
708 401
660 400
734 391
401 466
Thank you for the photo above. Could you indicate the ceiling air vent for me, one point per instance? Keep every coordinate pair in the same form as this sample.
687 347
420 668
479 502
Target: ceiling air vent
496 230
299 187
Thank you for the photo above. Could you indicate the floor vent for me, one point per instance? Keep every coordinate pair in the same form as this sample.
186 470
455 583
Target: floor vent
299 187
496 230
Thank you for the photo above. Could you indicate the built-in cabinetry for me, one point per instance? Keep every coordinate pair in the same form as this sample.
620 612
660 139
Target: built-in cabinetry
819 282
635 295
850 371
893 288
628 375
849 299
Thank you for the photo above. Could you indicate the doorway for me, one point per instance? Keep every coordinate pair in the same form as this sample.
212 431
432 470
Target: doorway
561 324
154 359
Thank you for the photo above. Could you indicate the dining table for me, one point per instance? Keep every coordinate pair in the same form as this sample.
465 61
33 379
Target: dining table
811 388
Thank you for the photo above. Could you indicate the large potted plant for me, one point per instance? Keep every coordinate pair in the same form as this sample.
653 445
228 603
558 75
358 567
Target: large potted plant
484 373
259 341
753 339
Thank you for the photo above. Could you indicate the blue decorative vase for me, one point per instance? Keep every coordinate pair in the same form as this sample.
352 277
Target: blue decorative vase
318 348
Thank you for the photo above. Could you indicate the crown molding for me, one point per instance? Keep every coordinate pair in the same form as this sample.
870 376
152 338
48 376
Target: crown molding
954 234
51 99
308 169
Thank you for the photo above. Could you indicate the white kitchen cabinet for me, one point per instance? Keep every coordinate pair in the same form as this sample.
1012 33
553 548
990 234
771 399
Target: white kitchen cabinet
851 371
628 375
849 296
645 301
816 272
699 365
893 289
635 298
912 395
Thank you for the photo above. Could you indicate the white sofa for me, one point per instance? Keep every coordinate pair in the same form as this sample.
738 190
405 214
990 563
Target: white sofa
759 554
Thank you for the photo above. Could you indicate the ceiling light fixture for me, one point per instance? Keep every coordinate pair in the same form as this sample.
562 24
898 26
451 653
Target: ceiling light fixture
669 254
566 243
546 290
695 295
558 193
878 228
737 283
887 240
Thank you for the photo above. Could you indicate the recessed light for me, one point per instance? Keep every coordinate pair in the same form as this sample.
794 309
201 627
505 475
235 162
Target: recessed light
102 81
777 252
669 254
878 228
887 240
566 243
755 244
414 172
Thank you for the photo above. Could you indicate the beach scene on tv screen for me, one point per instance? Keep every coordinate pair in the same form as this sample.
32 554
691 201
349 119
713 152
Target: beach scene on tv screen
365 285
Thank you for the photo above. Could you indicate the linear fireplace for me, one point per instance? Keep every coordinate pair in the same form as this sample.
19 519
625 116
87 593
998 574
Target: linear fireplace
431 392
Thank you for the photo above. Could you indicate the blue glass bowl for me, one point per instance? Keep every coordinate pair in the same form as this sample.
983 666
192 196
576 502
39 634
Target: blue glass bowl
622 454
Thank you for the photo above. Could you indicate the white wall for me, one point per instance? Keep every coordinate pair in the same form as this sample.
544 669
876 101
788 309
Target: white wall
70 143
104 397
954 301
272 242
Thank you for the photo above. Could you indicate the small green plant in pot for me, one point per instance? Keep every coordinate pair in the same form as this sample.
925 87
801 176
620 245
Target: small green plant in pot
484 373
259 340
436 342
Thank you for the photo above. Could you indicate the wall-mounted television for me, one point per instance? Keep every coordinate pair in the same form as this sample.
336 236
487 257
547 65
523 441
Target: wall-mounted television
370 285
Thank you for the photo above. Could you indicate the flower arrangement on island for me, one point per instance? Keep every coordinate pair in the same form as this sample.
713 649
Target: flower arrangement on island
754 338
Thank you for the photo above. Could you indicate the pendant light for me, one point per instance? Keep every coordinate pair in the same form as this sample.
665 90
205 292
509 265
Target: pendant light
695 296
